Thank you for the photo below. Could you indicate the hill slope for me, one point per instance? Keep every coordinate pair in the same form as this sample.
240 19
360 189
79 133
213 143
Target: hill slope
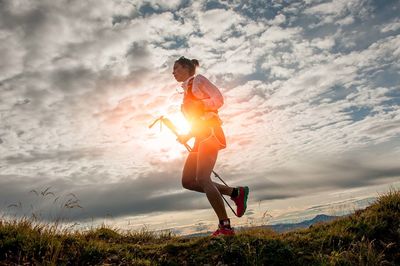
368 237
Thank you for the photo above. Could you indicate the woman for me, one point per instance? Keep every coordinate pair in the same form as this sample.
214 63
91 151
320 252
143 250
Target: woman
200 107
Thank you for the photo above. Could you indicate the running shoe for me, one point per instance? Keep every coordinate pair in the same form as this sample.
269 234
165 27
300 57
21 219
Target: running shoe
241 201
224 231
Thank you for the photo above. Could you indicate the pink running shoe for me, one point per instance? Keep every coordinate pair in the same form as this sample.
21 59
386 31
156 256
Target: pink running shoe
224 231
241 201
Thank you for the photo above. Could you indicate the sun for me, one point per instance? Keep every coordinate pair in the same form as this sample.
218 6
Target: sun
180 123
165 140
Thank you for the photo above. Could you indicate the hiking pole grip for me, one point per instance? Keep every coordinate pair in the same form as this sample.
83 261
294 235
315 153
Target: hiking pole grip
155 121
170 125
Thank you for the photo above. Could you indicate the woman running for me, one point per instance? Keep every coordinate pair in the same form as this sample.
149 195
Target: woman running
200 107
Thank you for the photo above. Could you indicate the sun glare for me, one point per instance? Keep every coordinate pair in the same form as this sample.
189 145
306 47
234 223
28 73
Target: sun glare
165 142
180 122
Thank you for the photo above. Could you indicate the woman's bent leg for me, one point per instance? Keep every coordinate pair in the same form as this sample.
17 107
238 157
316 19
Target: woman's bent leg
189 180
206 158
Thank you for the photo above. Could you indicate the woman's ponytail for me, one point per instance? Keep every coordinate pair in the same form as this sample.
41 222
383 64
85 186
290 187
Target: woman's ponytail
195 62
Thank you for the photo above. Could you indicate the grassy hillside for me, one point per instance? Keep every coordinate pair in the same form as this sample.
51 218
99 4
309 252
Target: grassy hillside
368 237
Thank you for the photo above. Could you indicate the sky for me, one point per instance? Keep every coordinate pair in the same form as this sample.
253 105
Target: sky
311 112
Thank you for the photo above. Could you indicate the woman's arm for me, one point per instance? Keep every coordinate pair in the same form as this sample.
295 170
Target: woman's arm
212 97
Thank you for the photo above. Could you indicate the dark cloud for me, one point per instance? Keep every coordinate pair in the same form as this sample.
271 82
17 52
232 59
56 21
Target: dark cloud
322 176
150 192
137 56
55 155
138 50
259 10
30 20
146 9
126 199
73 80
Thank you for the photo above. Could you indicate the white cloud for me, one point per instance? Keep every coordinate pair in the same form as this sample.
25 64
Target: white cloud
281 72
215 22
278 19
345 21
338 7
391 26
324 43
278 34
341 12
165 4
164 25
251 28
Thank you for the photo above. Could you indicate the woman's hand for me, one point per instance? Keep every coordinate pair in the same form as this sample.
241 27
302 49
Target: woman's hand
184 138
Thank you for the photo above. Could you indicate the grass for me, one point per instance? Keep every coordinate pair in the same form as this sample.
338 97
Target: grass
368 237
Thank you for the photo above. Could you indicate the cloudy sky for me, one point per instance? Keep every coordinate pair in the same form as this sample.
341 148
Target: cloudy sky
311 114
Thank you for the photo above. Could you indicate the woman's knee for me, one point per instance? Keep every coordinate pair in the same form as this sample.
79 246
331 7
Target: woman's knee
188 184
204 182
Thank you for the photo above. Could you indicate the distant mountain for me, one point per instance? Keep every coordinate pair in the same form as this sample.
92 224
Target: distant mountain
304 224
281 228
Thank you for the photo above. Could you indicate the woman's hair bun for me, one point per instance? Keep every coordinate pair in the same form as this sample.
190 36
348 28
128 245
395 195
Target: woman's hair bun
189 63
195 62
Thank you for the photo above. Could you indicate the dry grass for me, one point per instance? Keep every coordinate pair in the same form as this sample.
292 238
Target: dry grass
368 237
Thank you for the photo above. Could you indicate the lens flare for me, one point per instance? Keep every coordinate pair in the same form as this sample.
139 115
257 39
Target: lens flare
164 141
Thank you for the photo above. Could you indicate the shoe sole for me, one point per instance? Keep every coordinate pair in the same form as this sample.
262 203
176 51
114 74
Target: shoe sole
246 195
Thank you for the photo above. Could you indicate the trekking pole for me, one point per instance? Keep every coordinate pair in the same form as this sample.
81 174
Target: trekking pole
172 127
